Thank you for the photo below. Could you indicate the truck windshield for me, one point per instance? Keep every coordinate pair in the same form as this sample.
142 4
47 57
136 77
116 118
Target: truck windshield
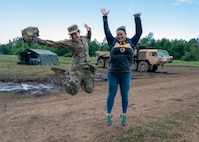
163 53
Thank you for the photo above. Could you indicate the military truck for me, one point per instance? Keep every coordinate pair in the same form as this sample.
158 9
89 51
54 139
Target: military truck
144 60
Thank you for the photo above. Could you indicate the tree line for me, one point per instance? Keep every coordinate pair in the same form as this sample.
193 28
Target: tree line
179 49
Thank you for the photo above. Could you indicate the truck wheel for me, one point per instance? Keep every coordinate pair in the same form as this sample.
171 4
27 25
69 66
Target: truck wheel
101 63
154 68
143 66
134 66
106 63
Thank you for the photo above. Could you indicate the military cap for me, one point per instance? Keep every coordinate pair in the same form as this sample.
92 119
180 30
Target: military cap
72 29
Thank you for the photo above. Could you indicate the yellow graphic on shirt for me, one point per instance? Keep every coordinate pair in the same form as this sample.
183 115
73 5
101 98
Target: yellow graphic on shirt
125 45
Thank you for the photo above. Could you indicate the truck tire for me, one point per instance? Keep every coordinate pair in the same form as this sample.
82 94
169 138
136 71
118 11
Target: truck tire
106 63
134 66
101 63
154 68
143 66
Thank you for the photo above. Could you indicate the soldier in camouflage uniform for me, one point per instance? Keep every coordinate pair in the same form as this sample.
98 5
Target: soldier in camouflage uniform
80 68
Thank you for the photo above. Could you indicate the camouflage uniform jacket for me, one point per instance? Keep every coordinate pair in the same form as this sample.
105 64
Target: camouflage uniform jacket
78 48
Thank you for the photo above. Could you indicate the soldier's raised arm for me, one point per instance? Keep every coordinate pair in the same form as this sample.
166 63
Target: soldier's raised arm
88 31
50 43
30 35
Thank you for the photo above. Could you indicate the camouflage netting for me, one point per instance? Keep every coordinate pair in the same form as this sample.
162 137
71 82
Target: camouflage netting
30 34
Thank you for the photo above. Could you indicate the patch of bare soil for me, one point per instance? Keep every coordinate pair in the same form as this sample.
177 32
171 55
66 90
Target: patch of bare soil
60 117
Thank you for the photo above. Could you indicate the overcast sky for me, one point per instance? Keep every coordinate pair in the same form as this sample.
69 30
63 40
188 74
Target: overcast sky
171 19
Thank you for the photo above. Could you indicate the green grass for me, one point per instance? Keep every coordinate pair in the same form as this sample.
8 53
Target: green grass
184 63
10 69
181 126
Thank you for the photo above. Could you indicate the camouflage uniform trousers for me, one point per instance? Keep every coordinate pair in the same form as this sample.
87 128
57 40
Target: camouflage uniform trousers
78 78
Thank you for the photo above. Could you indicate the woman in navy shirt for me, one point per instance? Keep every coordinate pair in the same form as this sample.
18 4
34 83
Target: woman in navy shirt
120 62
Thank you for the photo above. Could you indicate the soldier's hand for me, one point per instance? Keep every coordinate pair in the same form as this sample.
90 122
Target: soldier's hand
87 27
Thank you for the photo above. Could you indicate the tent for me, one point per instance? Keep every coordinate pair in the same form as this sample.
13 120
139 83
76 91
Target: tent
37 57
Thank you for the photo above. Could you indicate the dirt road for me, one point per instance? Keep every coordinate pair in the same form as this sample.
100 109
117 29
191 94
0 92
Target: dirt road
81 118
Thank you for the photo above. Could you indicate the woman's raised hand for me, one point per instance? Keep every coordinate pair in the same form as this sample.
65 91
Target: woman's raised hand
104 12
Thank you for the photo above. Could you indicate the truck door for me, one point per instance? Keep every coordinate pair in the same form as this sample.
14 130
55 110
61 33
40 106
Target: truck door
153 58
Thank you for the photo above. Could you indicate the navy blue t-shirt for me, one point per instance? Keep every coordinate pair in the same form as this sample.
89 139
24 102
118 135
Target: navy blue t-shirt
121 57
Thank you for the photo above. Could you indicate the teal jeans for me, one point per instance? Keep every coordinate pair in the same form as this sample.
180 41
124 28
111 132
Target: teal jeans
123 80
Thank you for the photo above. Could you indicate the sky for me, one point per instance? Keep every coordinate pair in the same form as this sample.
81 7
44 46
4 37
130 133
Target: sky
170 19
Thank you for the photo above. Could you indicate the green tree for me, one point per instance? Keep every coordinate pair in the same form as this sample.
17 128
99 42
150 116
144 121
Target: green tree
93 47
191 53
148 41
4 50
179 49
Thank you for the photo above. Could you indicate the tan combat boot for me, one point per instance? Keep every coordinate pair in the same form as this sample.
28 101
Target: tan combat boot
58 71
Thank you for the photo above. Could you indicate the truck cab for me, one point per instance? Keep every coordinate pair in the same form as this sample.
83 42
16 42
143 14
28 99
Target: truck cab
149 59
